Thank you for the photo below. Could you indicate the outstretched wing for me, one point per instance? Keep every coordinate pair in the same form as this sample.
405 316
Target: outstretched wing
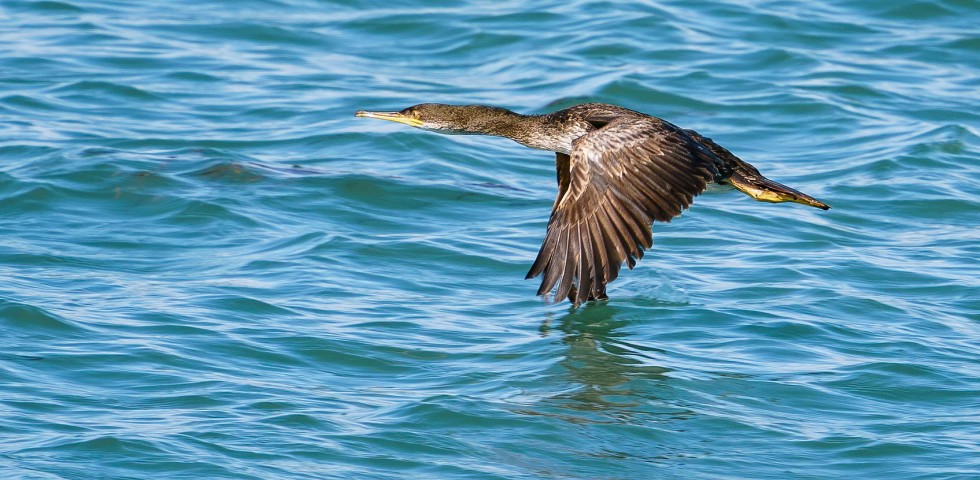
621 178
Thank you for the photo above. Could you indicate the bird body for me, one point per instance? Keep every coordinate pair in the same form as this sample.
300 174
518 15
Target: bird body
618 171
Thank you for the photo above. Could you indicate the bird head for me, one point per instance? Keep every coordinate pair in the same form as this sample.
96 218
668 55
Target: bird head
438 117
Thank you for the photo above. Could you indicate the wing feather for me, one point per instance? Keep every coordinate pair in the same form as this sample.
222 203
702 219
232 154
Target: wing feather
601 245
620 179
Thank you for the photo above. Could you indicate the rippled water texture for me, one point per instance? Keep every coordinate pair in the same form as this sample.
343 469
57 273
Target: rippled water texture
210 269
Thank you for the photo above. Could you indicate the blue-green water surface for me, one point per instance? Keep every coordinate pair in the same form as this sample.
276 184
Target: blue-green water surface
210 269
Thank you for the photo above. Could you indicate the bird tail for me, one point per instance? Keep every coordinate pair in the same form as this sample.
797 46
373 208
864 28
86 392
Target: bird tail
750 182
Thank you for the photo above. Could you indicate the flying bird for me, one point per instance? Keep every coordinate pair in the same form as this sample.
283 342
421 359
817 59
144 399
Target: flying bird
618 171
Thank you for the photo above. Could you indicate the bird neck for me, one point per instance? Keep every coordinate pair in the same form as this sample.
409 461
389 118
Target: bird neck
485 120
536 131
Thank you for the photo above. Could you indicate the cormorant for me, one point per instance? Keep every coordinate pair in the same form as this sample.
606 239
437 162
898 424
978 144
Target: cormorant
618 171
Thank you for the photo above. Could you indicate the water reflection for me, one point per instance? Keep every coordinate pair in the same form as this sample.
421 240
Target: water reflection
610 379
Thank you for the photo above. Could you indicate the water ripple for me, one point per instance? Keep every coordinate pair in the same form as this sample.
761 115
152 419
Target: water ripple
211 268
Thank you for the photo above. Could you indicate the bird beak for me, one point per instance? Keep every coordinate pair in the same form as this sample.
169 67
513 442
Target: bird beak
392 117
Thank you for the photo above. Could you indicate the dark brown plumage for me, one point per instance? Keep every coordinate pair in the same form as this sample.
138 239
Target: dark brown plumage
618 171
